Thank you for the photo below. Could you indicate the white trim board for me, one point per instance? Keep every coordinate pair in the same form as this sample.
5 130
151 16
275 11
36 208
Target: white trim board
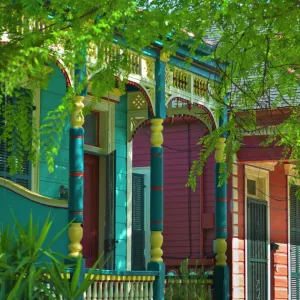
129 204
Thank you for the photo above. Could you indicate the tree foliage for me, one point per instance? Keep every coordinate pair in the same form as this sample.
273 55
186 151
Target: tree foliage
256 54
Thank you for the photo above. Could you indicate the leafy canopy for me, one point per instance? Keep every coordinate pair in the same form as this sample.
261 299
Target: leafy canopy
256 54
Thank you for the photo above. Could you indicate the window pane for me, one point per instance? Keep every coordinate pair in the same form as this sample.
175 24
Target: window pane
91 124
251 187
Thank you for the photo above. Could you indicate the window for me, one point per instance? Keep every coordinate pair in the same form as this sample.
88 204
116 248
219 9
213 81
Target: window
251 187
23 178
91 129
256 187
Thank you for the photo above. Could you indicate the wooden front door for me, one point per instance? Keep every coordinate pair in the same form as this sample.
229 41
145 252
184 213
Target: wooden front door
257 247
91 209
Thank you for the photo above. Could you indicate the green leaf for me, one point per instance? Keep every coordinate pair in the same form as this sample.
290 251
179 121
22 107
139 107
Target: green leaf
88 280
76 275
43 235
14 291
23 262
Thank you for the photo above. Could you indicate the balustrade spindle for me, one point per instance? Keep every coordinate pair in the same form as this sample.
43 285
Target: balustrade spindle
126 290
134 64
111 290
100 292
116 290
137 290
105 290
121 289
89 293
151 290
146 290
142 290
95 286
132 290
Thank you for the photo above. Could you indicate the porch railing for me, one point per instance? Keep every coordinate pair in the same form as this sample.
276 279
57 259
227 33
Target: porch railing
121 285
186 82
189 286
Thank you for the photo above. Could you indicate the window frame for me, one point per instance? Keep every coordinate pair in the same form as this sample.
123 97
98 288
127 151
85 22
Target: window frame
106 126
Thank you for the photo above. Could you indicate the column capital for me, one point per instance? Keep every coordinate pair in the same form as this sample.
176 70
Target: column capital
220 145
156 240
165 56
221 247
75 234
156 132
77 118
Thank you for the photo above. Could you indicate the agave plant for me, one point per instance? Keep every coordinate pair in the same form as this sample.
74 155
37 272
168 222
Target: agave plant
26 274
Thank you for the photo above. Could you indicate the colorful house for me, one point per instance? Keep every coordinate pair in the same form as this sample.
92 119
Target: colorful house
129 201
106 213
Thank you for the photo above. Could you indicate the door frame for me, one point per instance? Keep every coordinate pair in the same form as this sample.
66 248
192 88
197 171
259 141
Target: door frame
256 173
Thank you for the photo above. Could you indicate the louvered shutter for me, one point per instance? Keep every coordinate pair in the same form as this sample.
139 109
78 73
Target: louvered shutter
23 179
3 149
138 230
295 242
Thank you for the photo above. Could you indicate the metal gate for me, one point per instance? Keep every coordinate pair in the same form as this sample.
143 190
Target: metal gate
257 247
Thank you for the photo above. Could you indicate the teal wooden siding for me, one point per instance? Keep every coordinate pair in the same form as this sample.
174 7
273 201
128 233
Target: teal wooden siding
121 182
22 207
50 99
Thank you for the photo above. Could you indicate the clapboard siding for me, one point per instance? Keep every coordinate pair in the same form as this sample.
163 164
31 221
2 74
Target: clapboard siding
179 241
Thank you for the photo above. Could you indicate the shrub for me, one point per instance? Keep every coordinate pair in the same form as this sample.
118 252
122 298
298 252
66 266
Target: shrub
25 274
189 285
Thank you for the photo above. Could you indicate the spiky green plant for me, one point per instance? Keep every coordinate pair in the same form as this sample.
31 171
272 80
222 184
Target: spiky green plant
27 274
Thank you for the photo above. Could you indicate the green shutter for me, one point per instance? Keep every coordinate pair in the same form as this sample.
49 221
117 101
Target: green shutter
138 230
295 242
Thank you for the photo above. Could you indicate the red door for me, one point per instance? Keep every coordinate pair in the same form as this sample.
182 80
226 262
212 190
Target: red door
90 240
